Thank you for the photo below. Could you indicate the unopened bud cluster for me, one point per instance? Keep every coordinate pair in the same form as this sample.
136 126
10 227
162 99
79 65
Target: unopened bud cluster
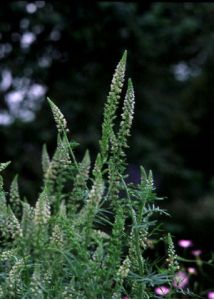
117 80
143 234
14 275
68 292
14 227
124 268
51 173
112 103
59 118
14 195
47 277
133 254
27 218
101 234
96 192
150 182
57 236
42 210
4 226
35 285
172 256
127 115
116 295
45 159
7 255
60 162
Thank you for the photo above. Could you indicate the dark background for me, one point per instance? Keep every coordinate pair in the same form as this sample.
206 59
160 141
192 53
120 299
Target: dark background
68 51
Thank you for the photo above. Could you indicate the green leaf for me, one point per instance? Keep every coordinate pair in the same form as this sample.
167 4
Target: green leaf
4 165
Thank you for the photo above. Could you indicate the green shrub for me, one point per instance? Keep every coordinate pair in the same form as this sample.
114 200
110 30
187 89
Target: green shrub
91 234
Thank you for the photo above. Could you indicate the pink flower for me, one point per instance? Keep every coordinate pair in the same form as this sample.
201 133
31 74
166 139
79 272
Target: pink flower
180 280
210 295
185 243
196 252
192 270
162 290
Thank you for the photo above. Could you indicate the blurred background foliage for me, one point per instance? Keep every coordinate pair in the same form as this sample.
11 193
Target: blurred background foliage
68 51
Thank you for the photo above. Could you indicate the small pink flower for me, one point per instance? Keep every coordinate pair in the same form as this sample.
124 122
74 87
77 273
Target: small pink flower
180 280
185 243
192 270
210 295
162 290
196 252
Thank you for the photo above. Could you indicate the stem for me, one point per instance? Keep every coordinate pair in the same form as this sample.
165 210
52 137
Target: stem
72 155
136 235
192 260
71 151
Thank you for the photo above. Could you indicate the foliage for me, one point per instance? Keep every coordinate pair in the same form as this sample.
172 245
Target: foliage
90 232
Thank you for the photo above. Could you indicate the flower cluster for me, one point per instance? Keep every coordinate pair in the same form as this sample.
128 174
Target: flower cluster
36 285
59 118
127 115
172 256
57 236
13 225
45 159
180 280
14 196
162 290
124 268
111 105
185 243
210 295
7 255
27 219
42 210
14 281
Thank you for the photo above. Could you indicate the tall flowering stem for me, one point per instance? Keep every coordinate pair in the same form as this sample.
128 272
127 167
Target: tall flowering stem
111 106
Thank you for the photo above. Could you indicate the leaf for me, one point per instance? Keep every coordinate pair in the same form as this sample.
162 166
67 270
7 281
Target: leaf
4 165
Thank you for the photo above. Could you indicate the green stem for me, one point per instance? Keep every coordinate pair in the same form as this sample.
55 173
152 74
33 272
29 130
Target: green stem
71 151
192 260
136 235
